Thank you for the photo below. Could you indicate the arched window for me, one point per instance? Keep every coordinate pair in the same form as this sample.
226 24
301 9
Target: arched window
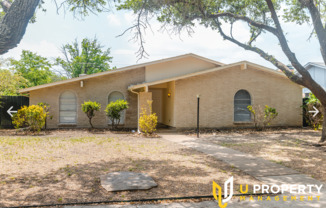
241 101
68 108
114 96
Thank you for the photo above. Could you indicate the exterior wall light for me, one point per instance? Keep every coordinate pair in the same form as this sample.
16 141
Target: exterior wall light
169 94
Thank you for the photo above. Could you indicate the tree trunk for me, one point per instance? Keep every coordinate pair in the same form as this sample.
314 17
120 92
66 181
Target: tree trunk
323 134
13 24
90 122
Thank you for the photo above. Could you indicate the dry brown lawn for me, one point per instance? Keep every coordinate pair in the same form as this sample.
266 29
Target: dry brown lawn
295 148
65 166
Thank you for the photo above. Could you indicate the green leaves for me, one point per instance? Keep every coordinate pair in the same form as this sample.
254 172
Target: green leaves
294 12
262 116
32 117
147 120
313 99
11 82
113 110
34 68
269 114
89 108
210 13
84 7
88 58
309 107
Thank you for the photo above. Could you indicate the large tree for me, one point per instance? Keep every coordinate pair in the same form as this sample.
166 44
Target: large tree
15 17
261 16
88 58
11 82
35 68
16 14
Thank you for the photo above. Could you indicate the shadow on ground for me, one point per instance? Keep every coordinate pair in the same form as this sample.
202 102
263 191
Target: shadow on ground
80 183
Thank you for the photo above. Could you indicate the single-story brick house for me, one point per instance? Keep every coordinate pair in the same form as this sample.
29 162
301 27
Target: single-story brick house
173 84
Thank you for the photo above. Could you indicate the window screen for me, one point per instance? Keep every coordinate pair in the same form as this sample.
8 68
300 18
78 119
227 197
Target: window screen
241 101
114 96
68 108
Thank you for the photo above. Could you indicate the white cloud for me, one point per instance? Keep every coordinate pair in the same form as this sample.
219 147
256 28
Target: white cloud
129 17
204 42
43 48
114 20
123 52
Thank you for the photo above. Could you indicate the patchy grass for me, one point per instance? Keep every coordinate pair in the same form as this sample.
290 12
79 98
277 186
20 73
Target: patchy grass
294 148
65 166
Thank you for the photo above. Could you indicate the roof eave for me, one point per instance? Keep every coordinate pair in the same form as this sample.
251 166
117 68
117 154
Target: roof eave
133 87
313 64
27 90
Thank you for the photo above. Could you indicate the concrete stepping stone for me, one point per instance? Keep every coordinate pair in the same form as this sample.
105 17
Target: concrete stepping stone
124 181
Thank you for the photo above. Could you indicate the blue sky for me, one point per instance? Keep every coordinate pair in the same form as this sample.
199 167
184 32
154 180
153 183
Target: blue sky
52 30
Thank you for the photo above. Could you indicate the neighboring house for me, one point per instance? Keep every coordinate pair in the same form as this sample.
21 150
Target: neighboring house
173 84
318 73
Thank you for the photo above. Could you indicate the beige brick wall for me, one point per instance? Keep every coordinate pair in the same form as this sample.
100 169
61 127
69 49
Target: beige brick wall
95 89
144 98
217 90
176 68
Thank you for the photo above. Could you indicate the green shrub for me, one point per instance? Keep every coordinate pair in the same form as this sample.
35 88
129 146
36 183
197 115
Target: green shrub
317 121
89 109
32 117
148 122
113 111
262 116
46 108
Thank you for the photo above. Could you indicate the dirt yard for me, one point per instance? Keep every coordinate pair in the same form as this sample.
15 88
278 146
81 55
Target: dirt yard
65 166
295 148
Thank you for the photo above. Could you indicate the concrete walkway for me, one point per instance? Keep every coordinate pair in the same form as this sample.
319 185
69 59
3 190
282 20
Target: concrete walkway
263 170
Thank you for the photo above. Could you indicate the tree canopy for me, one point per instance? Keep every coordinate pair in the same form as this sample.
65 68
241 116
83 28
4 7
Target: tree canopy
34 68
260 16
15 15
88 58
11 82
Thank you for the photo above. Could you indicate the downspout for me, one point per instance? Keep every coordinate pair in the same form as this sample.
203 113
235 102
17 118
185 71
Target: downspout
137 93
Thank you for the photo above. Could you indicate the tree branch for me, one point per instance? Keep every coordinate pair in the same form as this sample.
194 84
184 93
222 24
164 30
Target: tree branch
139 26
245 19
308 81
284 44
291 75
254 37
318 25
13 24
5 5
